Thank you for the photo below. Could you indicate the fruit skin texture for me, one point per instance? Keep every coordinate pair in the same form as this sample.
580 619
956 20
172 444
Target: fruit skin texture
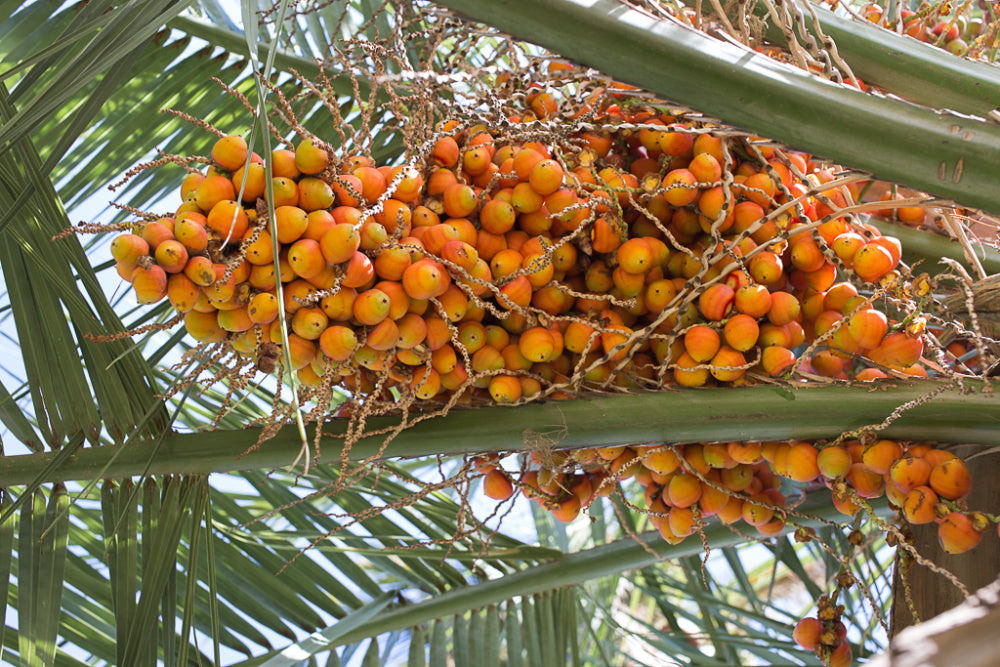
951 479
128 248
230 152
497 485
909 473
150 284
802 462
807 632
716 302
918 507
425 279
957 534
880 456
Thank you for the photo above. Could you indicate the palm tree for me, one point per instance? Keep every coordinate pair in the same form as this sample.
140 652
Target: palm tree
180 567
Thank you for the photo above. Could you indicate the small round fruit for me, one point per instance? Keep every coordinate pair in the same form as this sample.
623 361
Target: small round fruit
872 262
371 306
204 327
338 342
950 479
306 258
213 190
172 256
128 248
182 292
262 308
497 485
230 152
833 462
716 302
505 388
957 534
880 456
807 632
310 158
803 464
425 279
727 365
702 343
776 359
150 284
228 219
909 473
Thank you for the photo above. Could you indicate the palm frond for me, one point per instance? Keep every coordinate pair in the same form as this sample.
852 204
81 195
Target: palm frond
722 414
894 140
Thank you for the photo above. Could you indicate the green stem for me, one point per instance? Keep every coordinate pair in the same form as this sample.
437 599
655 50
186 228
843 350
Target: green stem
904 66
951 156
723 414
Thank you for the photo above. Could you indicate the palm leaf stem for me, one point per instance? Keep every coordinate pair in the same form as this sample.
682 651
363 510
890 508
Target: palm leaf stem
937 411
955 157
904 66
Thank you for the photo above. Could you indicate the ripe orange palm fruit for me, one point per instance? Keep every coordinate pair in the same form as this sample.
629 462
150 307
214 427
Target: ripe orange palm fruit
807 632
505 388
872 262
957 534
776 359
833 462
702 343
150 284
757 510
212 190
803 462
898 350
235 320
717 301
683 490
204 326
680 187
635 256
128 248
156 232
426 382
950 479
425 279
497 484
310 157
182 292
358 272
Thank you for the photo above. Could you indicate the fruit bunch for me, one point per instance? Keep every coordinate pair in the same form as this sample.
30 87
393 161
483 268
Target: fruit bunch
564 248
684 485
825 634
642 250
741 484
933 23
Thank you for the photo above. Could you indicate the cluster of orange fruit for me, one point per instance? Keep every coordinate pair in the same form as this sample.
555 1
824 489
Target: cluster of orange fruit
931 23
504 268
686 484
825 634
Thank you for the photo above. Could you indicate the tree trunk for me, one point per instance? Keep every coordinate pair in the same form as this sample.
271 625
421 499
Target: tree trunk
931 593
